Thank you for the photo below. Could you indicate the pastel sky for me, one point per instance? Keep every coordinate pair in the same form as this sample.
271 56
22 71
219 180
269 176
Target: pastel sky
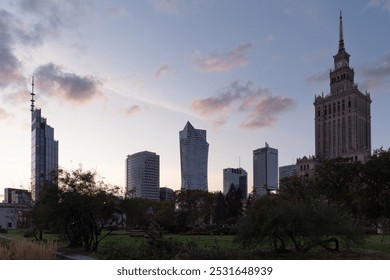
118 77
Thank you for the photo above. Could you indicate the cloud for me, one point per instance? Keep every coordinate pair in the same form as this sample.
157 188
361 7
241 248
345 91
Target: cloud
35 21
259 105
264 113
318 78
163 70
384 4
167 6
129 111
4 115
53 15
377 74
19 96
217 62
52 81
11 33
117 11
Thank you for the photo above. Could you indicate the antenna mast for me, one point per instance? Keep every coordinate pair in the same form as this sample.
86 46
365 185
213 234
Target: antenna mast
32 95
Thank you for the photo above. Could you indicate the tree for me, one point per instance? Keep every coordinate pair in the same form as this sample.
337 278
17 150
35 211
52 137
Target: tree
376 192
234 204
299 217
220 209
340 181
81 208
139 211
191 208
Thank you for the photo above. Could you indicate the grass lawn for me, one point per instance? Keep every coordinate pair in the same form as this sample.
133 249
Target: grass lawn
128 245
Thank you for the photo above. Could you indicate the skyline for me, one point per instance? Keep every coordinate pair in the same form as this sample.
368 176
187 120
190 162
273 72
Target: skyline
117 78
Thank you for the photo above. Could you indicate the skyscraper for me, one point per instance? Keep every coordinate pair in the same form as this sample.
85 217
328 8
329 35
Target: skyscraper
343 117
143 175
238 177
194 151
265 170
44 152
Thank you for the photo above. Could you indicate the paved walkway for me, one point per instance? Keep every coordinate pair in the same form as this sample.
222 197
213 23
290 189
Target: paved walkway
72 256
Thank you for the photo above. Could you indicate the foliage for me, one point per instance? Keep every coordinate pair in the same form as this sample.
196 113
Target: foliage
220 209
363 189
376 192
299 217
195 208
139 212
340 181
80 209
233 201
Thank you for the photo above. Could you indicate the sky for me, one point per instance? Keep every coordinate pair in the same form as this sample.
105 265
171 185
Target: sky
118 77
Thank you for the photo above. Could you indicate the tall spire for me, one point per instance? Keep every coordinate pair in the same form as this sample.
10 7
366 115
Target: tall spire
341 35
32 96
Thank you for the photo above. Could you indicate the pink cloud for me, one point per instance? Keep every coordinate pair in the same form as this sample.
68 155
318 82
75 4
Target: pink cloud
163 70
129 111
260 107
217 62
70 87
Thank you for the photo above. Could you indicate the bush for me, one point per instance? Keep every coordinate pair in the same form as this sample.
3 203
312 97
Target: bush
22 249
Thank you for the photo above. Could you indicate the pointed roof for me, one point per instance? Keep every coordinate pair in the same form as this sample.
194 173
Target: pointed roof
341 35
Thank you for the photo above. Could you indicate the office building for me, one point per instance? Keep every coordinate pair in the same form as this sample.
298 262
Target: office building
237 177
44 153
17 196
194 151
143 175
287 171
342 117
265 170
166 194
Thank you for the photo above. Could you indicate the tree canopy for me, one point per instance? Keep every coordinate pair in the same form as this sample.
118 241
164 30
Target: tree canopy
80 208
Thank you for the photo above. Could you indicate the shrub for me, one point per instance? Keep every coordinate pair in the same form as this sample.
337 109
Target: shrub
21 249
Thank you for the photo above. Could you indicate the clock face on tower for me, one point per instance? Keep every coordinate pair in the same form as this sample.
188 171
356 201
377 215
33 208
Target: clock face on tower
341 63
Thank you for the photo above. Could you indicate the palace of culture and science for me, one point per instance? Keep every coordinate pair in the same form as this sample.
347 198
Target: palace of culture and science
342 117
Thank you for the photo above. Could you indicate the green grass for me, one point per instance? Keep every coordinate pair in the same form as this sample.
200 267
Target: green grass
377 243
121 241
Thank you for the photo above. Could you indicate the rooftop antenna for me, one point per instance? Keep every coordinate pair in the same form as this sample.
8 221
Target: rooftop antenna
239 162
32 95
341 35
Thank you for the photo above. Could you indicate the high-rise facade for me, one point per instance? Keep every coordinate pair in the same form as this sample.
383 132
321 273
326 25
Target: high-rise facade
238 177
194 151
265 170
44 152
342 117
143 175
44 155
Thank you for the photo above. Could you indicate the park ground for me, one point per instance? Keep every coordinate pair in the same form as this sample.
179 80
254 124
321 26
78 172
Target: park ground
124 244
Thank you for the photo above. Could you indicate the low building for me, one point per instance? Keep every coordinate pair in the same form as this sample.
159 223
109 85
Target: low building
306 167
13 215
166 194
19 196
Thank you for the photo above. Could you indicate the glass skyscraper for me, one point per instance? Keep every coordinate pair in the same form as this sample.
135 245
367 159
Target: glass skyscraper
143 175
44 155
238 177
265 170
194 151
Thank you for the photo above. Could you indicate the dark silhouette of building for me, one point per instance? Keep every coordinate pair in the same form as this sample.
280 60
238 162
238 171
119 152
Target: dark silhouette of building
342 117
44 152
